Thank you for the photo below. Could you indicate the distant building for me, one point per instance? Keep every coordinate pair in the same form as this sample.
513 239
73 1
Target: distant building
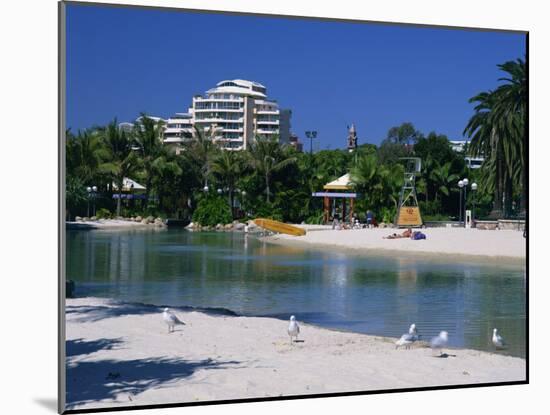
234 113
352 138
474 162
295 142
239 110
178 128
458 145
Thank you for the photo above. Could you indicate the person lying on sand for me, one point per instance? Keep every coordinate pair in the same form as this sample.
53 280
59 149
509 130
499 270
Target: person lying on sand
406 234
417 235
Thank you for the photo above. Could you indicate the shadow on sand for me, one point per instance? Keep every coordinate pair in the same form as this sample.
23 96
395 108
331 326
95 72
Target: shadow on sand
90 314
84 314
78 347
92 381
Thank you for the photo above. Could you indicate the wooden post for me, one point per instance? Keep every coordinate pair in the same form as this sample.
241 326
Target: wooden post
343 210
351 206
326 209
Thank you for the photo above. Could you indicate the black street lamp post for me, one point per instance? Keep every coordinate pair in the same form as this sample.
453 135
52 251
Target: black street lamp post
311 135
92 192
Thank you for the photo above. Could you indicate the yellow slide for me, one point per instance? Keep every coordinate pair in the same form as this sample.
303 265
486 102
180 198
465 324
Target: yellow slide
280 227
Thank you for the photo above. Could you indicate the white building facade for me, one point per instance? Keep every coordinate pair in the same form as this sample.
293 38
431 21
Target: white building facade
236 111
233 113
472 162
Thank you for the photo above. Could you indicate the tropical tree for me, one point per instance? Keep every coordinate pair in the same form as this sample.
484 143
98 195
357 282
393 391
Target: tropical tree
84 154
228 167
201 151
442 179
267 156
379 183
497 132
404 134
122 160
510 110
156 160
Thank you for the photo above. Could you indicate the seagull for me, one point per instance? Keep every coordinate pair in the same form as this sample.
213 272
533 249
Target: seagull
498 341
408 338
440 341
293 328
405 340
171 320
413 332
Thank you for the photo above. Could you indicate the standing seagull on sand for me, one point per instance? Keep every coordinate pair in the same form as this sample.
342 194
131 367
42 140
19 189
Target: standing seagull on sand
171 320
498 341
413 332
293 328
440 341
408 338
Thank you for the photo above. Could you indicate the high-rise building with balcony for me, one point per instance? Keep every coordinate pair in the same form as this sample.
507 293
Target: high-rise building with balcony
236 111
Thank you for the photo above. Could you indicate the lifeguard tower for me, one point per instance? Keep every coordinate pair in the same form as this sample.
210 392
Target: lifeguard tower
408 211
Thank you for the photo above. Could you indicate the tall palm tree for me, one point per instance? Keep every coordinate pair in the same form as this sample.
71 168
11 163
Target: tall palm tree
228 167
155 158
85 153
441 179
511 110
122 161
497 132
267 156
201 151
381 183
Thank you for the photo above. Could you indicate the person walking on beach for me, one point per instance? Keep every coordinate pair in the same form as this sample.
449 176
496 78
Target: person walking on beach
370 218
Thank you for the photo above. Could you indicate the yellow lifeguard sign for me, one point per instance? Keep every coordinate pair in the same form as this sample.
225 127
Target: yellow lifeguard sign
408 213
409 216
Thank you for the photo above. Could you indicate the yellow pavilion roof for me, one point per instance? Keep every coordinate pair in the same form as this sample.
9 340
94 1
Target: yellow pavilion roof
341 183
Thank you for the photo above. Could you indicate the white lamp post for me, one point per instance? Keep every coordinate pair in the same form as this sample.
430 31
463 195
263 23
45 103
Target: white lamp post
465 182
474 189
460 185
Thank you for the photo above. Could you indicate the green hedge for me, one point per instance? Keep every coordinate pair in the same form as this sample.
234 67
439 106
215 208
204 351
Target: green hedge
211 211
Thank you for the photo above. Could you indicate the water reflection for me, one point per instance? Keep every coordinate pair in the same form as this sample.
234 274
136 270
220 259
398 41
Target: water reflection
364 293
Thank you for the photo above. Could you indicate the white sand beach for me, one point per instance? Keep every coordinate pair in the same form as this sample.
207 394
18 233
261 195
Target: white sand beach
109 224
122 354
496 244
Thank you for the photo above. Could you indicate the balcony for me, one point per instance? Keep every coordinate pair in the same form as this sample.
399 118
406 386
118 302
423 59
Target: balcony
220 120
267 111
209 99
219 110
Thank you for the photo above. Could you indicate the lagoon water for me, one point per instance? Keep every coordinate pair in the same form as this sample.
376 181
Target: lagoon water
360 292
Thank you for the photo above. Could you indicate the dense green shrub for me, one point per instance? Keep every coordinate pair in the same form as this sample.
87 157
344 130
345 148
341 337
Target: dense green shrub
433 207
103 214
268 211
212 210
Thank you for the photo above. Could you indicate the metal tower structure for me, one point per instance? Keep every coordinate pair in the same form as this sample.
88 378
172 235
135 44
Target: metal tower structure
408 211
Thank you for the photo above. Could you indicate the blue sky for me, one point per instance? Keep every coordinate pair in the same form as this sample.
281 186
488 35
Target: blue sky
122 61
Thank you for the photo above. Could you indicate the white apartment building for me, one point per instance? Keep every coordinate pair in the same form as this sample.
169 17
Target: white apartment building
472 162
236 111
177 129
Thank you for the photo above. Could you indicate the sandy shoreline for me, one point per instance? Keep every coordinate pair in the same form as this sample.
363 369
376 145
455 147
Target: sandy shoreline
507 245
107 224
121 354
